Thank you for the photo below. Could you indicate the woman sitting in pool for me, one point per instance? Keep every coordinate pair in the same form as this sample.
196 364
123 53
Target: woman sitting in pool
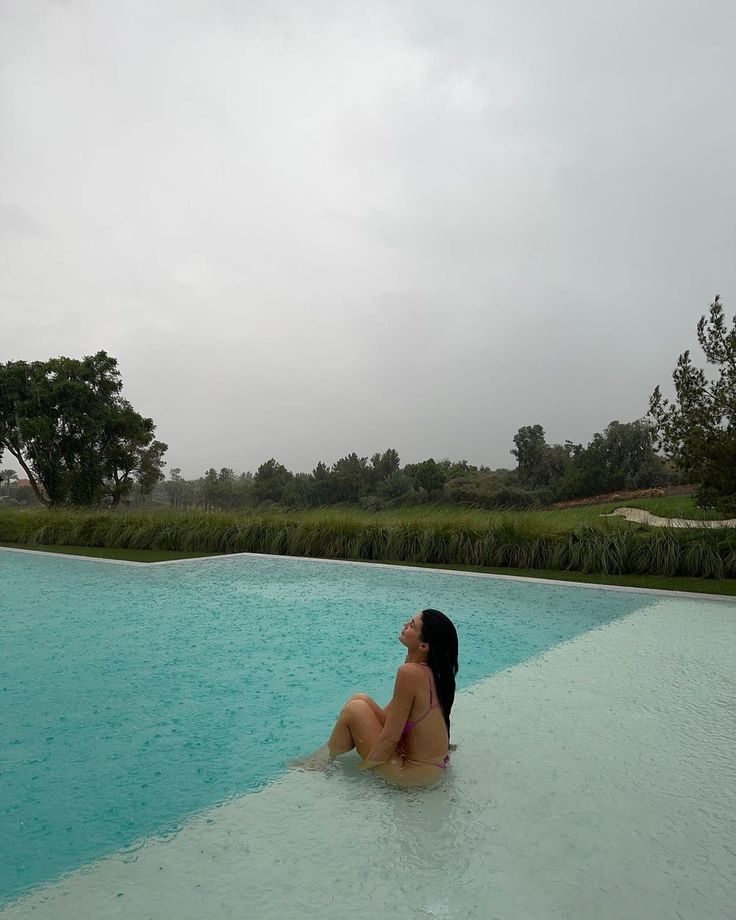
407 743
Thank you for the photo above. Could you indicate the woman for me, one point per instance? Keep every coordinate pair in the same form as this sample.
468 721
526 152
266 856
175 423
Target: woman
407 743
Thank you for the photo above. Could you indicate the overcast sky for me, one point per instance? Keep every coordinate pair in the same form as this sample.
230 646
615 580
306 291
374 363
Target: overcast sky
310 228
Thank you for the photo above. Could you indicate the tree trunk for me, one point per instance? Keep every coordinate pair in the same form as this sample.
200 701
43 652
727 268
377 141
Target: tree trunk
31 478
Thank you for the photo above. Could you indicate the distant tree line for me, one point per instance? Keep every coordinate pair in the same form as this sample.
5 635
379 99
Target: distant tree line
692 438
623 457
375 483
79 442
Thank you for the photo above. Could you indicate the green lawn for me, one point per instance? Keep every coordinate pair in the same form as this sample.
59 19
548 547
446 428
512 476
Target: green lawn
682 506
726 586
699 585
560 520
103 552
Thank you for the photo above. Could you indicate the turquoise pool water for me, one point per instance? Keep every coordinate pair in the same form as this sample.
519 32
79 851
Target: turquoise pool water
132 697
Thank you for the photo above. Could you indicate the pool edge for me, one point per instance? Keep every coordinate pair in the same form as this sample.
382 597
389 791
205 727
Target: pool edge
663 592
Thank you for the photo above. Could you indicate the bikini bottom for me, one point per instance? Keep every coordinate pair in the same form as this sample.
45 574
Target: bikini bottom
425 763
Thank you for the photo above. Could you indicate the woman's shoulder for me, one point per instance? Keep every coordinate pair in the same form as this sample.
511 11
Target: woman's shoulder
410 672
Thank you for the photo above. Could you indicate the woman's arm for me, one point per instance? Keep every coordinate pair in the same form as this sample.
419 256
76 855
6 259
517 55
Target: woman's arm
397 713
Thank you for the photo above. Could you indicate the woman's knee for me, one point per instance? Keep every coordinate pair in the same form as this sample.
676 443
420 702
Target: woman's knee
355 705
363 697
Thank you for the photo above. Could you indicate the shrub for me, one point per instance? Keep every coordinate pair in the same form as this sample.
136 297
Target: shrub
439 537
514 497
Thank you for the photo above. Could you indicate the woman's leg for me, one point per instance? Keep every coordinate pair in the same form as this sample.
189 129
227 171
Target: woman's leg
357 726
342 738
380 713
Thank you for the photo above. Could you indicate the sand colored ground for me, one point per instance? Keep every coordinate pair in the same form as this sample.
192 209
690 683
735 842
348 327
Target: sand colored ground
596 781
640 516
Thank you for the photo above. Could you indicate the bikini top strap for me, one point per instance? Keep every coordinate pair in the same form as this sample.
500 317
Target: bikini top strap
429 679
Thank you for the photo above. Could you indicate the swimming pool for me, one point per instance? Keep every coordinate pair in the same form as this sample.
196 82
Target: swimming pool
134 698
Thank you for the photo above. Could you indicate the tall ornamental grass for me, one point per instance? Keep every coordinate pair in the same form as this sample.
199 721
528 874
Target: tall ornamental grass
611 547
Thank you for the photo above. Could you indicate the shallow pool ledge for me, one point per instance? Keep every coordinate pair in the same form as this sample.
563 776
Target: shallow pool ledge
595 781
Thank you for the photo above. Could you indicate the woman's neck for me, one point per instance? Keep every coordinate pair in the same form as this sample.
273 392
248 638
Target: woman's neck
415 656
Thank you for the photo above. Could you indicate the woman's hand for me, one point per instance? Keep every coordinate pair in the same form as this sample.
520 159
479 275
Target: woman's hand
397 713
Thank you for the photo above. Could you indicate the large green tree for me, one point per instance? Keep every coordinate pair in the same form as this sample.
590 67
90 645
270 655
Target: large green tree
270 481
77 439
384 465
697 429
623 457
427 475
350 477
540 463
320 488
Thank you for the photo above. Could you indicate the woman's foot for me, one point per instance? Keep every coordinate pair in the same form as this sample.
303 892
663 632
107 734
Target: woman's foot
317 760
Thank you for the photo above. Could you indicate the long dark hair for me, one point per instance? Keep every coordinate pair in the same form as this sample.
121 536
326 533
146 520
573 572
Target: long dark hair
439 632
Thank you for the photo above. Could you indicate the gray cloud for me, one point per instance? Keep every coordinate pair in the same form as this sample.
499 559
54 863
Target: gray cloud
305 229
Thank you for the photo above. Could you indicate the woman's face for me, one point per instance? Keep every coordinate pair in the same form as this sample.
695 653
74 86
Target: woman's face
411 634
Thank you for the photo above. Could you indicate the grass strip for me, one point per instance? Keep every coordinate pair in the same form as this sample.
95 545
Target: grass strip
611 547
104 552
725 586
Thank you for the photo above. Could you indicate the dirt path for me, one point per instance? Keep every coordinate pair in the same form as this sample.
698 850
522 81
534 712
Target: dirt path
639 516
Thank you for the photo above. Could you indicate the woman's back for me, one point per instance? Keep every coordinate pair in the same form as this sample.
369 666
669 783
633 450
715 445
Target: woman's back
425 733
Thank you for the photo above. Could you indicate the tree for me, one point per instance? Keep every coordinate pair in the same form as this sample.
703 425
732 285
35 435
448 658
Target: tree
630 456
395 486
384 465
270 481
7 476
298 491
176 487
539 464
452 469
76 438
210 489
697 430
623 457
350 477
132 461
428 475
320 489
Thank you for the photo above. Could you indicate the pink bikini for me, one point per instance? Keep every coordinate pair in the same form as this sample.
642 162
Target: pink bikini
409 725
